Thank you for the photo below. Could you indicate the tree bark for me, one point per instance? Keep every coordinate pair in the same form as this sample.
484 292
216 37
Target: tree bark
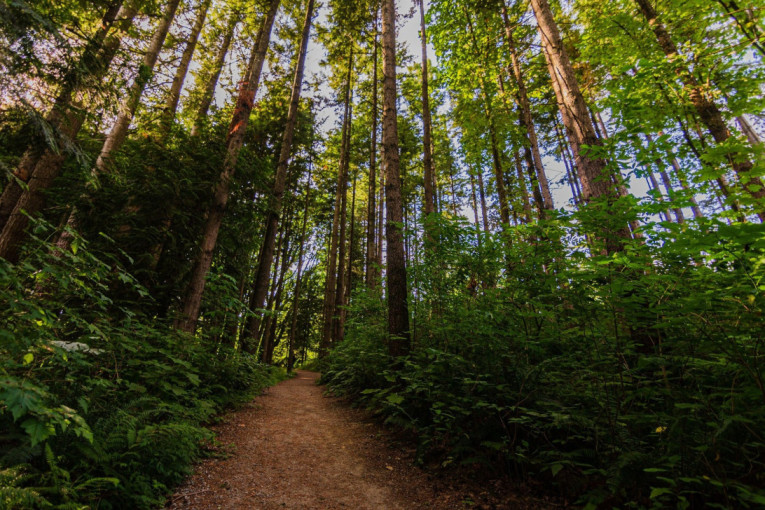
332 256
145 72
399 341
526 120
248 87
371 271
280 181
594 175
174 95
299 278
427 124
706 108
212 81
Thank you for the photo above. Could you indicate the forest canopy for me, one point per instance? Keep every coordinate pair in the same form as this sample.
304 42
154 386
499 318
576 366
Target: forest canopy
529 232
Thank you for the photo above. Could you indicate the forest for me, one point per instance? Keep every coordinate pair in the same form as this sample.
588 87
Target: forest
527 233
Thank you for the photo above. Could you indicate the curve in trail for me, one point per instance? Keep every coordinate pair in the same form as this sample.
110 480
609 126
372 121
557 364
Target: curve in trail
301 450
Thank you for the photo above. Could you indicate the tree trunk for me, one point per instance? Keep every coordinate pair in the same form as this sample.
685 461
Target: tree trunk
593 172
248 87
427 129
349 271
706 108
522 187
332 256
482 194
399 341
371 277
748 131
174 95
299 278
280 181
526 120
212 81
145 72
475 211
337 315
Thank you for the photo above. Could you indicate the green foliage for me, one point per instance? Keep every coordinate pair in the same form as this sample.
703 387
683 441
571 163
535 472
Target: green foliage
630 381
101 405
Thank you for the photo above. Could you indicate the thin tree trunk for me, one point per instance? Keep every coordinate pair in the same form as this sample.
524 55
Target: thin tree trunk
280 181
349 271
568 161
482 194
371 276
593 172
427 129
475 211
337 316
522 187
526 120
270 344
174 95
299 277
332 256
38 169
706 108
212 81
399 341
748 131
248 87
145 72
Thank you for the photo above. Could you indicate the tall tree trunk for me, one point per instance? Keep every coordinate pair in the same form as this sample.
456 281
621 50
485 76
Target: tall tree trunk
330 282
504 209
475 210
349 270
482 194
280 181
568 161
706 108
174 95
371 277
523 189
593 172
270 343
399 341
427 129
211 84
526 120
298 278
337 315
192 298
145 72
39 168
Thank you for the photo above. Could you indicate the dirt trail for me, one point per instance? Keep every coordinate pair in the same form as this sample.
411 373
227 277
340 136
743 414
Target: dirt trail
296 448
299 449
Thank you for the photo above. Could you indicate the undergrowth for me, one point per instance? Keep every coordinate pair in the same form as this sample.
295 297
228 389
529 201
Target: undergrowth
101 405
631 381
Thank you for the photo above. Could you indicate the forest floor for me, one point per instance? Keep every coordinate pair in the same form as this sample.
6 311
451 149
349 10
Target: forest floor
296 448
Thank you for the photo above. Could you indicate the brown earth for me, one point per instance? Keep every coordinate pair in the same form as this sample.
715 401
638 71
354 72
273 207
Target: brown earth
295 448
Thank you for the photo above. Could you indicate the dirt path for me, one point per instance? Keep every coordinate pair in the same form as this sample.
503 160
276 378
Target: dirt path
296 448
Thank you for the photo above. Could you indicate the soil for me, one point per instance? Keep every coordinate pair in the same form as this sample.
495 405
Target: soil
296 448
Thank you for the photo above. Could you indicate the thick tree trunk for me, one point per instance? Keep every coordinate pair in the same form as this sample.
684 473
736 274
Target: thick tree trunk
145 72
593 172
280 181
371 277
399 341
192 298
706 108
330 283
38 169
526 120
427 128
208 92
174 95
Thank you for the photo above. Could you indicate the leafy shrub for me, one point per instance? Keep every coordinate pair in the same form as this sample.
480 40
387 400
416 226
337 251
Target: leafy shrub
631 381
